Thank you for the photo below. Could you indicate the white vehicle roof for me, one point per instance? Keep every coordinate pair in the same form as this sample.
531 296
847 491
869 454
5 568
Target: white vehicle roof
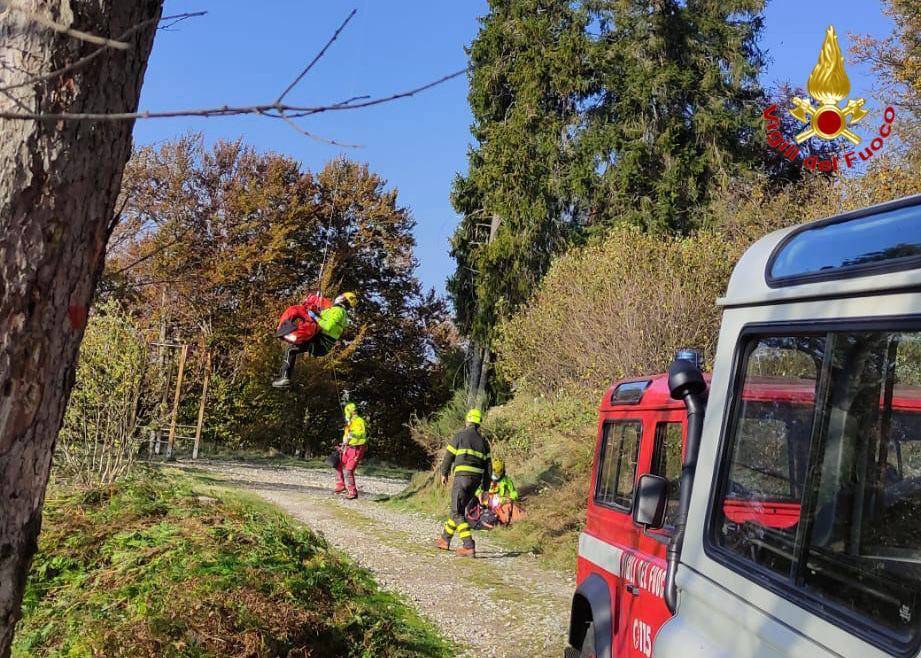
863 252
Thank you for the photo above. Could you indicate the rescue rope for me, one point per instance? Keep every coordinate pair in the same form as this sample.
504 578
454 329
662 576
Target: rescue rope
328 236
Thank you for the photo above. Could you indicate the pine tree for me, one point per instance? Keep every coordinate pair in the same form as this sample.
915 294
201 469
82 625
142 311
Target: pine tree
673 108
592 113
516 200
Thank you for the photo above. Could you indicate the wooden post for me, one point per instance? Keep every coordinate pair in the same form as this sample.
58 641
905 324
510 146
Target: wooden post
172 423
201 405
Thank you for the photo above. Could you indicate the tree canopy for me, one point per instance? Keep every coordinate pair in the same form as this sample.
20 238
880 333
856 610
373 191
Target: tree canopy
592 114
217 241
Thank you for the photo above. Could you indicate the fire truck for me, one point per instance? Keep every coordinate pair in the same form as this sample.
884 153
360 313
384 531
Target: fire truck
773 510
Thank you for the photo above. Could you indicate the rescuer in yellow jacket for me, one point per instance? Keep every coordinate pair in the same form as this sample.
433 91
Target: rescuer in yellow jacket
331 323
467 456
501 488
354 444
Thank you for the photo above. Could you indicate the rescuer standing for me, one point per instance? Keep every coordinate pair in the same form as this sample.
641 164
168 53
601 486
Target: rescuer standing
354 443
468 454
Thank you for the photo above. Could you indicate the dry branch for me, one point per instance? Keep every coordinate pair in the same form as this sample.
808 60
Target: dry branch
271 110
96 53
277 109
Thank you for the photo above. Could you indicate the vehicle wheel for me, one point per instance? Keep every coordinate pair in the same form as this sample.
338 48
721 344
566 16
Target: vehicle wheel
588 644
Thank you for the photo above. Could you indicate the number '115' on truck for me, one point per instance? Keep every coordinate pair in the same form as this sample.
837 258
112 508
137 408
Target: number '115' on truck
773 510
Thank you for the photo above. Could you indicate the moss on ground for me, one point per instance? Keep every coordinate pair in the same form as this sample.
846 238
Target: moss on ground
161 565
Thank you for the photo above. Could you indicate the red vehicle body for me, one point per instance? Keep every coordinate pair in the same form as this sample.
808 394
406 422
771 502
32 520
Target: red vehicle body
621 569
620 573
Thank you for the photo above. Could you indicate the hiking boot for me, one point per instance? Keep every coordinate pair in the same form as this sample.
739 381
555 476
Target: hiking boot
281 382
352 496
339 490
443 544
466 551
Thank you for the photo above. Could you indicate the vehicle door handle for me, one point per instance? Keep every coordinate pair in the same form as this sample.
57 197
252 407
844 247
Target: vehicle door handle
633 589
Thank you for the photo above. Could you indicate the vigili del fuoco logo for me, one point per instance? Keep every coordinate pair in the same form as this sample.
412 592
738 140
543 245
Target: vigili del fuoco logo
824 117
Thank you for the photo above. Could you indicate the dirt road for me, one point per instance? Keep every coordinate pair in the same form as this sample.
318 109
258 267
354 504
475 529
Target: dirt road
501 604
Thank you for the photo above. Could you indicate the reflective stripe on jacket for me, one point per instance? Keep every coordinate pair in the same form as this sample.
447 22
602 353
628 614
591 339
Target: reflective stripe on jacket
355 432
468 454
333 321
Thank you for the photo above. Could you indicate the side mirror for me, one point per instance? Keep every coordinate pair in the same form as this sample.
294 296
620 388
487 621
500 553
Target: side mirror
649 501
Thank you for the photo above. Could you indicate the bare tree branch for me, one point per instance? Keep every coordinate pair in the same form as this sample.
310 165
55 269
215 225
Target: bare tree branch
268 109
93 55
151 254
325 140
63 29
317 58
275 110
179 18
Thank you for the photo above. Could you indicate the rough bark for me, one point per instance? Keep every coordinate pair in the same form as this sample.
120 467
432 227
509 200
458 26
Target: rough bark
58 186
478 376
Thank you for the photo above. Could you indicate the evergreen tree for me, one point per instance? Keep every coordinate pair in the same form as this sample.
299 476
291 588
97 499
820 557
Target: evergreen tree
526 79
593 113
673 109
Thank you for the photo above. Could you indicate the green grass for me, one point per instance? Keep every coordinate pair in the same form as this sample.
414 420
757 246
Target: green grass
164 565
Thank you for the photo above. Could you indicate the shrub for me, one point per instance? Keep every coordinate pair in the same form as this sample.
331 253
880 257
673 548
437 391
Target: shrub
621 305
99 438
432 432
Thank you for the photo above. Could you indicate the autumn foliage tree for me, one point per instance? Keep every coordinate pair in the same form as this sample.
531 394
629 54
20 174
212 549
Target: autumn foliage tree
217 242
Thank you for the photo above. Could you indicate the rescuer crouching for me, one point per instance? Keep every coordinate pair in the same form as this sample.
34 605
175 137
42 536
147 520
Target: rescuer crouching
467 456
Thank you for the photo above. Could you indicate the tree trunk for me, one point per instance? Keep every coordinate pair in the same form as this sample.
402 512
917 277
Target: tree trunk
474 364
478 376
59 182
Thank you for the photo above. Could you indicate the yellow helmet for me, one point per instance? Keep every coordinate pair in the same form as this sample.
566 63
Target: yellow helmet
349 298
350 410
474 416
498 468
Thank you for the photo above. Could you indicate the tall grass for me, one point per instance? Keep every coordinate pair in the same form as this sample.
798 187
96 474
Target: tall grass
157 565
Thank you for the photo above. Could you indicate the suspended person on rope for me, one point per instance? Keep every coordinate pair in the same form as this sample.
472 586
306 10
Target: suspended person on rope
468 454
354 444
329 324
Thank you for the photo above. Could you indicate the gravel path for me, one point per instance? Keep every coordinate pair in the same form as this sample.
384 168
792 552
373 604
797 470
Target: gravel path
502 604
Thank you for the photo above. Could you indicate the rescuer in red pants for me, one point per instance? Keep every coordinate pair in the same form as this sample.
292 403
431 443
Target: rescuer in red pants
354 444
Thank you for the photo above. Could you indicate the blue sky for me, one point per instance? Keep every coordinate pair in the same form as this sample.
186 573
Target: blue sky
246 52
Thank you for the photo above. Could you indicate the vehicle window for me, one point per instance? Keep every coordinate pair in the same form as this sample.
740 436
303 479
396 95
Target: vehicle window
666 462
864 548
890 238
617 468
823 481
772 429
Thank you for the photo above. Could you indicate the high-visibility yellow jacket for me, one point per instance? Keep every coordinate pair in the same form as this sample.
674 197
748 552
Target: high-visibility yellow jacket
503 487
333 321
355 433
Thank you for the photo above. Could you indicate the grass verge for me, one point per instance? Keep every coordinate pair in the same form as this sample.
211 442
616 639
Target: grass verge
161 565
